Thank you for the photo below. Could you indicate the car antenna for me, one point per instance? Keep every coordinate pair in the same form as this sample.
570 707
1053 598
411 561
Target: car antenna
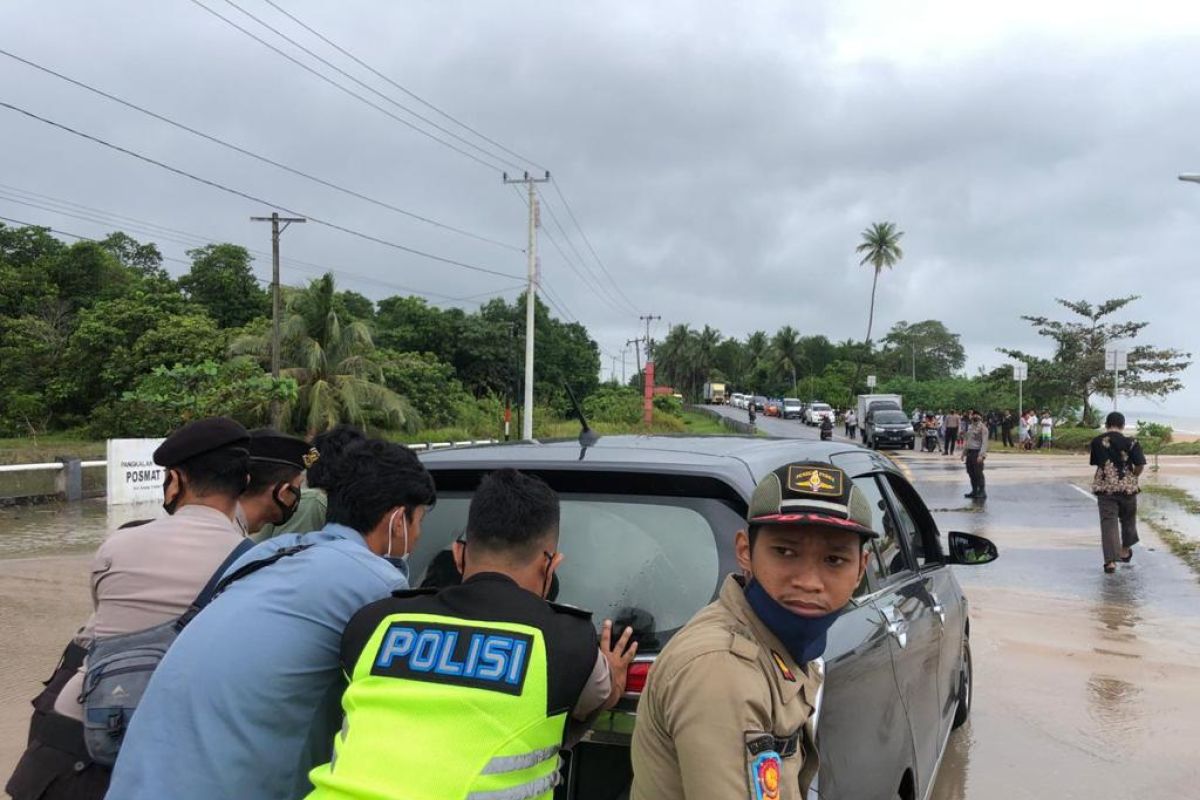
587 436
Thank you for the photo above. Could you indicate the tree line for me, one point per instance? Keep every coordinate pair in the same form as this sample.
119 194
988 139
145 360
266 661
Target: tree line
97 337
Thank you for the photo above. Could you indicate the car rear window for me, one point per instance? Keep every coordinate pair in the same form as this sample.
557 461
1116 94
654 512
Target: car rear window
821 407
648 561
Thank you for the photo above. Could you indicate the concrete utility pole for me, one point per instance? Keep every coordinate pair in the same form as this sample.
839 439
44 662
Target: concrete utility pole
530 295
647 318
623 352
637 354
276 310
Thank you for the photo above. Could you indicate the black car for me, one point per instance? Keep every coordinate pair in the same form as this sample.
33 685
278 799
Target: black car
888 427
647 530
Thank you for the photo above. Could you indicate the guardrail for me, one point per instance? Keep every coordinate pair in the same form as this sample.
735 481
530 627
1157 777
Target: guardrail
734 425
68 484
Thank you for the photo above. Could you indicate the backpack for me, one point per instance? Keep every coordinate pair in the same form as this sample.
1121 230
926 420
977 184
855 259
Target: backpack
119 667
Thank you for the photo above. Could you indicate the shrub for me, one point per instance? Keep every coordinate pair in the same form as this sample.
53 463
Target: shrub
1073 438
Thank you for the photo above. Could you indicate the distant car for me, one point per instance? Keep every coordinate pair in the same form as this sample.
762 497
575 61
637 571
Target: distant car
760 403
739 401
648 525
774 408
888 426
815 412
792 408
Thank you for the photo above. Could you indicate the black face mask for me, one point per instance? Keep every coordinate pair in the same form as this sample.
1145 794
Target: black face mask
286 512
170 506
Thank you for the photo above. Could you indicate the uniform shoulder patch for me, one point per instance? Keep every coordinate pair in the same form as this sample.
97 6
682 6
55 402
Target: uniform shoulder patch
574 611
766 776
406 593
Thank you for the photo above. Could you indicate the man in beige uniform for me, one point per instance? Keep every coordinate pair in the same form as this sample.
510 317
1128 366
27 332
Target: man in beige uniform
143 576
727 711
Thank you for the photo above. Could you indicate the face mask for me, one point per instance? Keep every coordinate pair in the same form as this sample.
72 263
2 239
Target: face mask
286 512
170 505
399 561
804 637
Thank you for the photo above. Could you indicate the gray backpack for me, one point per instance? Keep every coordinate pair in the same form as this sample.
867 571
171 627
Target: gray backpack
119 667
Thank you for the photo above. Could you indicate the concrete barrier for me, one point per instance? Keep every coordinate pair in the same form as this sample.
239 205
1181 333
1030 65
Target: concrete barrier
731 425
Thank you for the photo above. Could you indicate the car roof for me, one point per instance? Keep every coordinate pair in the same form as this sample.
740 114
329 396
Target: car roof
737 460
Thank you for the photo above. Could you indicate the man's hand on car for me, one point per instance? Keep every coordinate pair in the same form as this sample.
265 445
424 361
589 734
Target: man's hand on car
619 656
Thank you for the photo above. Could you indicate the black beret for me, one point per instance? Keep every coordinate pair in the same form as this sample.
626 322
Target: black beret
273 447
200 437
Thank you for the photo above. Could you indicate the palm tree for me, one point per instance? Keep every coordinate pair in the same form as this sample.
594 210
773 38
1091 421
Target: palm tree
785 350
331 363
881 248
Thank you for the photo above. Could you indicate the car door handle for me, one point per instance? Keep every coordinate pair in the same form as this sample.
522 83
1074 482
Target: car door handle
896 626
938 608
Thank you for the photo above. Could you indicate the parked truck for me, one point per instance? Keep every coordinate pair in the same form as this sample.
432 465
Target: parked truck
714 393
868 403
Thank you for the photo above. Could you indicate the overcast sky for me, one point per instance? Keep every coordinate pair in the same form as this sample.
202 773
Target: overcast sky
722 158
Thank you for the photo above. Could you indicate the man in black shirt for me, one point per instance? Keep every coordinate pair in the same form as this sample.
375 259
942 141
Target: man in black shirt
1119 461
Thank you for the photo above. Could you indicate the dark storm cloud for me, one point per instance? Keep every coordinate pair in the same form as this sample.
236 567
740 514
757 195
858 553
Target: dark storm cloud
723 160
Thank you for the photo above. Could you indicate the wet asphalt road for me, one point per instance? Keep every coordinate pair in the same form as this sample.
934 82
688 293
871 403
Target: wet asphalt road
1086 685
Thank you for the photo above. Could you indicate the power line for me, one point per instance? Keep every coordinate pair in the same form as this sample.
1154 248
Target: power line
258 157
121 222
406 91
334 83
259 200
588 242
596 284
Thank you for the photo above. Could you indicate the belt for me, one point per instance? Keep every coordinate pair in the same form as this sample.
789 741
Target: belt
784 746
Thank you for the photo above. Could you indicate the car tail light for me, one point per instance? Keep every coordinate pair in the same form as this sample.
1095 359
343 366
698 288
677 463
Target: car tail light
635 680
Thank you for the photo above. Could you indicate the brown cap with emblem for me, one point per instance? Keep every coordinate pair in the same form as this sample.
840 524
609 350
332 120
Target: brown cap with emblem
810 493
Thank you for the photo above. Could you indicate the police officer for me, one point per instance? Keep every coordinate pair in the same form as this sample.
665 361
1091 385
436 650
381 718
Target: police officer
727 708
141 577
318 479
247 700
479 679
277 463
974 453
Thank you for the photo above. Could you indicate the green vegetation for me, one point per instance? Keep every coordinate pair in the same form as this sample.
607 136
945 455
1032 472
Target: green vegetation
1180 497
1181 449
97 339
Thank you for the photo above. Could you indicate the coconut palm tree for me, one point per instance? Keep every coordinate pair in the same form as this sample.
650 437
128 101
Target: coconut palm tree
332 364
881 248
786 352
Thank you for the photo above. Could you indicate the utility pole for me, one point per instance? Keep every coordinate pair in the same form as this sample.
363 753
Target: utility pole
647 318
276 310
637 352
530 295
623 352
614 368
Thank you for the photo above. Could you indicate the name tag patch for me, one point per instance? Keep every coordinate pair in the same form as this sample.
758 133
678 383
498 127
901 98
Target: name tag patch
460 655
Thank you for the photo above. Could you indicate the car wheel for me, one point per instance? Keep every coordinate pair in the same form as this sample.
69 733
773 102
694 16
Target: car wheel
966 680
912 445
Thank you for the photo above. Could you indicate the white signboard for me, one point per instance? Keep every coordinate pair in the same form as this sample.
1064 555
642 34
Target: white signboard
1020 371
1117 360
870 381
133 477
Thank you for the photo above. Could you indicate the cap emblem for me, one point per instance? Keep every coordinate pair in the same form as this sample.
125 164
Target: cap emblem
311 457
816 481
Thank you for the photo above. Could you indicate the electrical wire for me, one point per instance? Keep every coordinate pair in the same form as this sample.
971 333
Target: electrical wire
588 242
406 91
104 218
247 196
350 92
258 157
579 267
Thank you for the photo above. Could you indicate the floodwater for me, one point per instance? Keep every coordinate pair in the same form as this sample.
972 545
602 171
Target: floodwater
1086 685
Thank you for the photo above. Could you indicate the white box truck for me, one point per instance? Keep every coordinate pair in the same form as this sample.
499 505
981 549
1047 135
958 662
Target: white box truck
875 402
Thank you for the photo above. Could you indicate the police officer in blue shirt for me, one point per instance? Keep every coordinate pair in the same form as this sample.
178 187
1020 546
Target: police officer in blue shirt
246 701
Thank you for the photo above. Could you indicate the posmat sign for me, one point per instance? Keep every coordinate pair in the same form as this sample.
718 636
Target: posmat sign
133 477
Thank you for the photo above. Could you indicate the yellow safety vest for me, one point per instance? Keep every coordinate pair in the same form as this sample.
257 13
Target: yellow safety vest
440 707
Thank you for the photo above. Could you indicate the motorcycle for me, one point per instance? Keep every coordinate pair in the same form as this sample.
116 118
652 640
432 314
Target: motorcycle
826 429
929 441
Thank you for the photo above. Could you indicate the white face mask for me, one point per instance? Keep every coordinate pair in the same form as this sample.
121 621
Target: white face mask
391 530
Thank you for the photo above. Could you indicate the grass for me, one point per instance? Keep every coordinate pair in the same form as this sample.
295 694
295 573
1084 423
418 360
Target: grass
1187 548
1181 449
27 450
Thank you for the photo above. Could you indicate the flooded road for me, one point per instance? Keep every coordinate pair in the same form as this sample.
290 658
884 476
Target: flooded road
1086 685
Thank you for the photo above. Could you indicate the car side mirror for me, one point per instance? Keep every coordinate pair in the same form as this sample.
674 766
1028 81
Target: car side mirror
969 549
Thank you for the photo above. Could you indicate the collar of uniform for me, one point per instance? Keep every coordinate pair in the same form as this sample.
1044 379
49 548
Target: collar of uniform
733 597
201 510
335 530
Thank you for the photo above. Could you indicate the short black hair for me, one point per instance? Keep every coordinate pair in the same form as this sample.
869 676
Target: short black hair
512 512
265 474
374 476
218 472
1115 420
330 446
